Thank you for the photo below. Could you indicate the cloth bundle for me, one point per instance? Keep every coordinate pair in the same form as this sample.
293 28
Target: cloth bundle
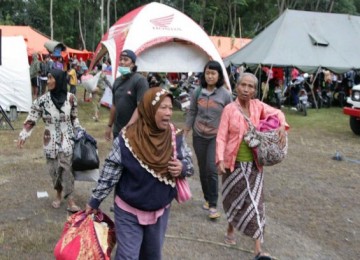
86 237
266 141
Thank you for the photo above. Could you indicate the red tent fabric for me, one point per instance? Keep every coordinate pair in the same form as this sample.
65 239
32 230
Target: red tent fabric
228 45
35 41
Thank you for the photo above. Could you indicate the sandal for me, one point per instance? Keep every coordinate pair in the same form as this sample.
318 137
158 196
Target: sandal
230 239
206 205
261 256
214 214
73 209
56 204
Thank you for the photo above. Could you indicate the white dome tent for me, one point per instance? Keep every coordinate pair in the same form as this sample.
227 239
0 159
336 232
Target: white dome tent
163 38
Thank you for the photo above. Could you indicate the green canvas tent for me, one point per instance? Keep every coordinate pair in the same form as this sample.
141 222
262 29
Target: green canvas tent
306 40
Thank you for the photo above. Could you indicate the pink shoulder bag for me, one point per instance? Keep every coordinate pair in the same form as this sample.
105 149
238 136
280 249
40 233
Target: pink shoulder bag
182 185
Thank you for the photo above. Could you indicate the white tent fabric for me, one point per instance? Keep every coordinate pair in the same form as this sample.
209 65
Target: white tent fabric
164 39
15 85
306 40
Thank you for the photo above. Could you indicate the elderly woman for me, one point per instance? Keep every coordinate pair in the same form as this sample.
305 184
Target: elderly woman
58 110
207 104
143 170
242 176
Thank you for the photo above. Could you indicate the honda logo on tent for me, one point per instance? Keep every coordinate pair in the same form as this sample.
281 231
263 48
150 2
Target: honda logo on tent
115 30
163 21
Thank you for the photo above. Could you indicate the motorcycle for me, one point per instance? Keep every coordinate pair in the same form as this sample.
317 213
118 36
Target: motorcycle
339 96
299 95
326 97
181 97
279 97
302 105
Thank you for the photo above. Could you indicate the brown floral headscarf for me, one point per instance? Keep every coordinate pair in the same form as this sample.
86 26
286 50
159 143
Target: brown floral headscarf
150 145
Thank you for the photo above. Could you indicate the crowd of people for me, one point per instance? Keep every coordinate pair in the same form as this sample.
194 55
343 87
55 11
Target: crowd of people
322 88
149 153
39 69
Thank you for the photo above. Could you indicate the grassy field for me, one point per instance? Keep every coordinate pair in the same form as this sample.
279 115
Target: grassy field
312 205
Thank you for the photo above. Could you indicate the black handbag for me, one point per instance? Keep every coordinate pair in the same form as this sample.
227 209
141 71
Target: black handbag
85 156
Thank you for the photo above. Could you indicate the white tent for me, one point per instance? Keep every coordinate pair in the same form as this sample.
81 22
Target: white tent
15 86
164 39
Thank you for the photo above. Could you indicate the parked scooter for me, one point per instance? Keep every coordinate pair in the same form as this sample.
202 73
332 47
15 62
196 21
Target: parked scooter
326 96
279 96
339 96
299 95
303 102
181 97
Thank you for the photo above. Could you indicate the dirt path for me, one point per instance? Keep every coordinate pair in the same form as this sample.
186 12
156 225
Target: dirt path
312 205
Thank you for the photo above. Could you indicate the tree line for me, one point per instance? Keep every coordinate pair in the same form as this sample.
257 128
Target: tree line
81 23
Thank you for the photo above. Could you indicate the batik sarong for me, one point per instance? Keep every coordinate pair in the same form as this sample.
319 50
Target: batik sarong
243 199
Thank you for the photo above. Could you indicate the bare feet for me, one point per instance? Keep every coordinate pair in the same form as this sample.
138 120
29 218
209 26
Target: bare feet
230 238
57 202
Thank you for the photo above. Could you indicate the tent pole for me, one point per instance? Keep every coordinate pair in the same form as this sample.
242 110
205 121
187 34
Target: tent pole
259 85
312 88
267 84
257 68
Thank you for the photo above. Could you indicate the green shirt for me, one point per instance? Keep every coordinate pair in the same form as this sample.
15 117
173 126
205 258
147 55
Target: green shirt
244 153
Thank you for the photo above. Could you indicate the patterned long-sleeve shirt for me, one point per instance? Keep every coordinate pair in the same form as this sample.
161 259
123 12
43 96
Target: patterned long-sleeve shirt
113 167
59 126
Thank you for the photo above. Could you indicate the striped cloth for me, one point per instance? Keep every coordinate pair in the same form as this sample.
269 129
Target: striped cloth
243 199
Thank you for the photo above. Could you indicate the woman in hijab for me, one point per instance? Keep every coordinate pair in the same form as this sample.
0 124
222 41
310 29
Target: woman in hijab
142 168
58 110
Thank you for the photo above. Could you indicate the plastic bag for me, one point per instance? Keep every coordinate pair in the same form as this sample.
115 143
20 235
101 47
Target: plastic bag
89 175
86 237
85 156
90 84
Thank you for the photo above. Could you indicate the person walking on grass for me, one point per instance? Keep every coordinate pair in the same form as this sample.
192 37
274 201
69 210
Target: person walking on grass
35 69
58 110
72 79
207 104
242 176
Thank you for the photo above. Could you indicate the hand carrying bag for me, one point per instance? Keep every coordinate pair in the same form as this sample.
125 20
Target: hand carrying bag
85 156
86 237
182 185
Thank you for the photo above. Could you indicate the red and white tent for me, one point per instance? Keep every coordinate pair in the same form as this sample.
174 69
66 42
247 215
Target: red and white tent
163 38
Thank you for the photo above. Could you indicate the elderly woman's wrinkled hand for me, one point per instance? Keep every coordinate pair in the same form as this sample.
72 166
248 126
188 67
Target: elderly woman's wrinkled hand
282 135
221 167
175 167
